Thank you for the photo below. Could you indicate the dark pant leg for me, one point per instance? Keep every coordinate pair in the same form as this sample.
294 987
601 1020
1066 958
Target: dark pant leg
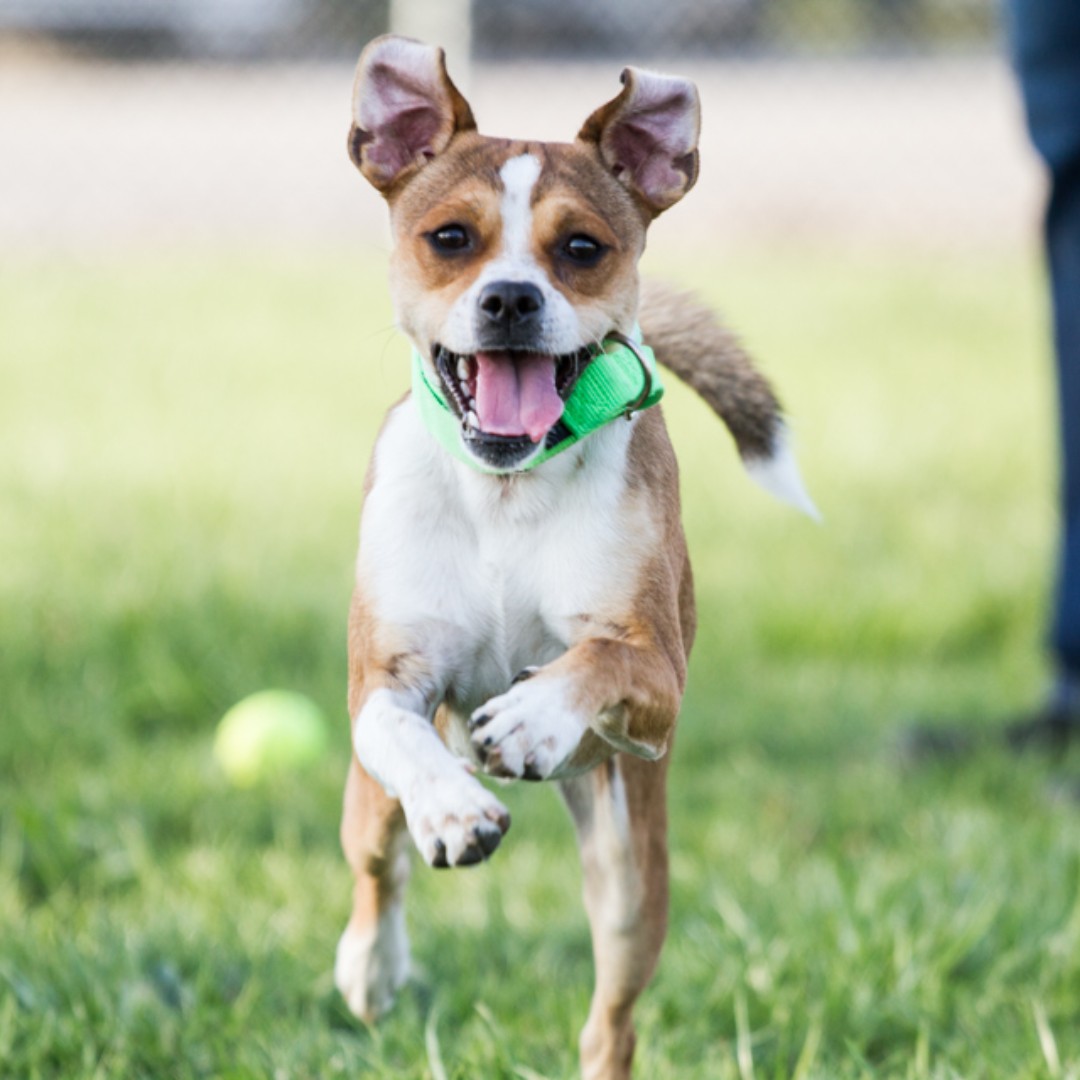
1063 249
1046 44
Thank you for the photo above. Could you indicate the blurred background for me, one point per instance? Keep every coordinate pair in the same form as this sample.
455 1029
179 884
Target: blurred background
840 122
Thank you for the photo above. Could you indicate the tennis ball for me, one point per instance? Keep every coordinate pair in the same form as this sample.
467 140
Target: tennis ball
269 733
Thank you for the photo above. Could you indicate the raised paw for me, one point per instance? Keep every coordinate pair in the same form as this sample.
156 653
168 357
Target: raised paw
454 820
528 732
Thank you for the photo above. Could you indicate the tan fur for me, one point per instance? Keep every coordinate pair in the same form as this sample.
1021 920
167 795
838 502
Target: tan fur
369 826
372 823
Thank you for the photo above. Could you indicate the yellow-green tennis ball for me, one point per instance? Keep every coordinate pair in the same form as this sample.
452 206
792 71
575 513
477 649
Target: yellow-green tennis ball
267 734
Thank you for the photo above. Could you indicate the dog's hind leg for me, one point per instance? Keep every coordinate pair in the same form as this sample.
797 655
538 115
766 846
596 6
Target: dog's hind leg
620 814
373 954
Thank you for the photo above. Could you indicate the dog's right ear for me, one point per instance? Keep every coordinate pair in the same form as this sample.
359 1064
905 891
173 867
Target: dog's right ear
405 109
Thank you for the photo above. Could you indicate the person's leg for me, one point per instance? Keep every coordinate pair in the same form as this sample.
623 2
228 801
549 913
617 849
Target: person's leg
1063 250
1045 40
1046 48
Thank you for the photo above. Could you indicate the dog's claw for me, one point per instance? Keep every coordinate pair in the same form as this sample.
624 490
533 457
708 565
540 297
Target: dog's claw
489 841
464 838
523 674
478 720
529 731
439 862
471 855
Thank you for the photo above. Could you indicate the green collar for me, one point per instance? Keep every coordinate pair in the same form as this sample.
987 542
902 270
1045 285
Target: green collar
617 382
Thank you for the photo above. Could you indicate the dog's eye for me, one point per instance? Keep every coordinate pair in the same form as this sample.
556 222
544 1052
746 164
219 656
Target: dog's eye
583 250
449 238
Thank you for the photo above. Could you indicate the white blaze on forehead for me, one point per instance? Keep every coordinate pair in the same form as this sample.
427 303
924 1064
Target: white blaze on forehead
519 176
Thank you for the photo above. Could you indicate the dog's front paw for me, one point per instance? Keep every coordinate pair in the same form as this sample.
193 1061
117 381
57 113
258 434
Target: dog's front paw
528 732
454 820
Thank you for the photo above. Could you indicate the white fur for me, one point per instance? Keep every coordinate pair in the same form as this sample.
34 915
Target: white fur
620 812
372 965
444 805
532 727
487 575
388 720
779 475
519 176
560 328
602 819
484 576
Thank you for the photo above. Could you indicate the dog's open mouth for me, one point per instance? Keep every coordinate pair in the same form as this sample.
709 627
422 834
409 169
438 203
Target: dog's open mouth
508 401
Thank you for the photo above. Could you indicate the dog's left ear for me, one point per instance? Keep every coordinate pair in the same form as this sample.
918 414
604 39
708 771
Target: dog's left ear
648 135
405 109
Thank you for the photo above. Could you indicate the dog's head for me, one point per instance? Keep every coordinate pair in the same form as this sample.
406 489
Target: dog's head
513 260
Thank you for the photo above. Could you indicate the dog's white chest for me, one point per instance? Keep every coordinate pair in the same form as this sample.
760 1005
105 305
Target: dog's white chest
489 575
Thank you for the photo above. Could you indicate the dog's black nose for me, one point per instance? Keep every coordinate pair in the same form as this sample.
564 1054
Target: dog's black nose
511 304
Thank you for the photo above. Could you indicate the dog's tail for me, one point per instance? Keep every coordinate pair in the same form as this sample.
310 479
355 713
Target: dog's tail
690 341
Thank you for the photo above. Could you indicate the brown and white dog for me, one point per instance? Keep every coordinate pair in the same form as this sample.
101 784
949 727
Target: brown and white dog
527 624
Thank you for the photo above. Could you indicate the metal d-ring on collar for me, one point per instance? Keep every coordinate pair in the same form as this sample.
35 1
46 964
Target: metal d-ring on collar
646 371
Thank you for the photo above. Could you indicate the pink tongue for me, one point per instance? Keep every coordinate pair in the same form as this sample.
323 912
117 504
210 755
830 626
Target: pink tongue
516 395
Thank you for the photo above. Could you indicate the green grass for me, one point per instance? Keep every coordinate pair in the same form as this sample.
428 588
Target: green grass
182 446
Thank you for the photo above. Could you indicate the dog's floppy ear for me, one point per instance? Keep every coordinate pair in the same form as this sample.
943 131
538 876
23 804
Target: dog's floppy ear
648 135
405 109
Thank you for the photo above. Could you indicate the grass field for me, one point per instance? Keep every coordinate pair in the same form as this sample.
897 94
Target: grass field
182 445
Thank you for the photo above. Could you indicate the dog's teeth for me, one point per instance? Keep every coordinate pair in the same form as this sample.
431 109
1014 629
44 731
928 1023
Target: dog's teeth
462 368
472 419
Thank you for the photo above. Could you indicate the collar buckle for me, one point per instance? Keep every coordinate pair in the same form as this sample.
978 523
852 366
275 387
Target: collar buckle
646 372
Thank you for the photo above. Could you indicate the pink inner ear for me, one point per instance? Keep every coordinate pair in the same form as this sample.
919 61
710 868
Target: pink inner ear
648 149
402 138
648 136
631 146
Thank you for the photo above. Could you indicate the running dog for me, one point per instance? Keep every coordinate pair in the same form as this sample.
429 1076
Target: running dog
523 604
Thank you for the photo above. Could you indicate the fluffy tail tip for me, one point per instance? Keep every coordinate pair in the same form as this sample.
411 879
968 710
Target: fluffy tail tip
779 475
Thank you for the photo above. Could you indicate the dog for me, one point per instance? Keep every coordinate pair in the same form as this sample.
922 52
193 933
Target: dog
523 604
